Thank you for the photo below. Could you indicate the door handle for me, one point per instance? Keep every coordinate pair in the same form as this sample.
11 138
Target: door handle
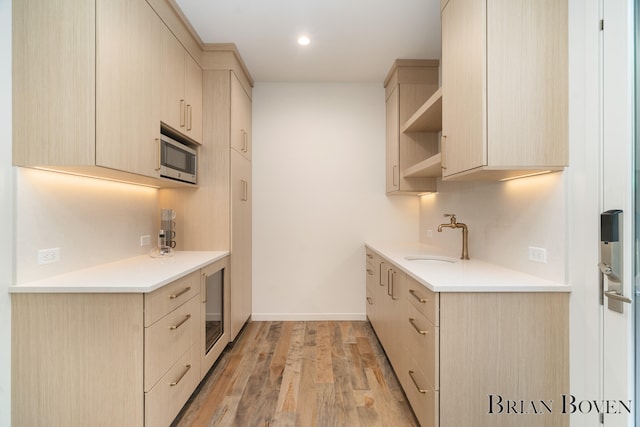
616 296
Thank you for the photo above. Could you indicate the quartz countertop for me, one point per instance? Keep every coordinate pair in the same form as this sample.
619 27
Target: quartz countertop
131 275
461 275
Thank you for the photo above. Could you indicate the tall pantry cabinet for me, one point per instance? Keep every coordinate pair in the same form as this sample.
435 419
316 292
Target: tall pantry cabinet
218 213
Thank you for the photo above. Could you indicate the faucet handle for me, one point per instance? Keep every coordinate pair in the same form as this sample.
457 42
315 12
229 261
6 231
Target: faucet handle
449 215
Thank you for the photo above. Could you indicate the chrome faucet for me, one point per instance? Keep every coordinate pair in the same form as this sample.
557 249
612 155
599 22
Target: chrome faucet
465 233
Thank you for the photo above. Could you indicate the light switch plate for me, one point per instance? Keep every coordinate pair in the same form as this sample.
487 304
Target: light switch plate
145 240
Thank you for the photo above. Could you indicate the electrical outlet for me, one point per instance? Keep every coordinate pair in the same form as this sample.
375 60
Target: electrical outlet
47 256
429 234
145 240
538 254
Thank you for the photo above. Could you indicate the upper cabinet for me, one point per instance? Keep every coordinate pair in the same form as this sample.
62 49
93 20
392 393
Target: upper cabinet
182 88
87 95
504 88
240 118
408 86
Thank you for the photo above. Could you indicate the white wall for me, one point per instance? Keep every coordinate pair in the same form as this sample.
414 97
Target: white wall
6 213
318 187
504 220
92 221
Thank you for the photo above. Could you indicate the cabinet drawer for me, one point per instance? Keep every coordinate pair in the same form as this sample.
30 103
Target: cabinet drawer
423 345
424 401
163 402
164 300
168 339
426 301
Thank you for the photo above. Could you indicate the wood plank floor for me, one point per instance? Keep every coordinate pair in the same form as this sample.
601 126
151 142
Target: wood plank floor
325 373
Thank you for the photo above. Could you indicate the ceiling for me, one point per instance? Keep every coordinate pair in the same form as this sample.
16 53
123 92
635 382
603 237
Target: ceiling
351 40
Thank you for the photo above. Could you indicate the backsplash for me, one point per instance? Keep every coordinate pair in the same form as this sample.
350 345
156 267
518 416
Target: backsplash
92 221
504 220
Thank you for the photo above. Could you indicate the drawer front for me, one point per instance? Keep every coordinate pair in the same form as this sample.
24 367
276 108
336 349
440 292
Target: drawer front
426 301
165 400
423 399
423 342
164 300
168 339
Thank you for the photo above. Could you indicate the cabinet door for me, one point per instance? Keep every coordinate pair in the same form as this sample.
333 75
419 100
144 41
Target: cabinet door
53 82
240 118
463 86
127 89
240 242
172 72
193 97
393 141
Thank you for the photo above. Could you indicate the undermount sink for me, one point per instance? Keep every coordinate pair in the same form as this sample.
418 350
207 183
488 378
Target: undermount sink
431 258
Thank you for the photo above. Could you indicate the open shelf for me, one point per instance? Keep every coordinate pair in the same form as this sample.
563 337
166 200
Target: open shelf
428 167
428 118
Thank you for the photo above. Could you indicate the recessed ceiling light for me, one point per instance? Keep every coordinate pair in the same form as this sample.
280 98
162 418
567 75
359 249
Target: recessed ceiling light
303 40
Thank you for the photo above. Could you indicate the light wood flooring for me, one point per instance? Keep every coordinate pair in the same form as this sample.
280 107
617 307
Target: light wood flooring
325 373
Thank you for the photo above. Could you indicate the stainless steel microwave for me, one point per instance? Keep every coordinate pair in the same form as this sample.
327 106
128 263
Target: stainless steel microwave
178 161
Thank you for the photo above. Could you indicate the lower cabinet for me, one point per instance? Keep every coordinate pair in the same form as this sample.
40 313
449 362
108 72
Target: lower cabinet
454 351
107 359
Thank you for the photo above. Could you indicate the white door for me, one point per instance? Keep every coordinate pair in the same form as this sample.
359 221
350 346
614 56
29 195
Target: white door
617 341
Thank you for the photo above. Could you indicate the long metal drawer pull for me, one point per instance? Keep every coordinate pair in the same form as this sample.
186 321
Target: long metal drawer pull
181 376
413 323
416 296
616 296
174 327
189 117
179 294
369 300
415 383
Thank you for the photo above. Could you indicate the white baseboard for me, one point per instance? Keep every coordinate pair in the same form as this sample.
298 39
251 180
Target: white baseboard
263 317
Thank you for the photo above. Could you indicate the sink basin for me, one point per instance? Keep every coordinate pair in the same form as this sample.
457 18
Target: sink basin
431 258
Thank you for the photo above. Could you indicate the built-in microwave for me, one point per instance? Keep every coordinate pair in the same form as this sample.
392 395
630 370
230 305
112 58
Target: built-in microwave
177 160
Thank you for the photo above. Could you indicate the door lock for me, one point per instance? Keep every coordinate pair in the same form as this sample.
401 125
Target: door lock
610 264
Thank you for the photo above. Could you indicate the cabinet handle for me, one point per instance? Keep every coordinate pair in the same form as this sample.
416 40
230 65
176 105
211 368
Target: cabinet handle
245 141
369 272
415 383
245 191
369 300
159 164
182 113
381 265
182 292
418 330
389 279
416 296
369 256
393 286
181 376
174 327
443 139
395 168
204 288
189 117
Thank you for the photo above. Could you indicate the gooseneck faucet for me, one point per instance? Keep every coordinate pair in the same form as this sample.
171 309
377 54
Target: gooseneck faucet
465 233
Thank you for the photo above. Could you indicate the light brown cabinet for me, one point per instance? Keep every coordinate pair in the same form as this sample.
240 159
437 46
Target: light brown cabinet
240 118
504 88
241 279
409 84
87 93
455 349
121 359
181 107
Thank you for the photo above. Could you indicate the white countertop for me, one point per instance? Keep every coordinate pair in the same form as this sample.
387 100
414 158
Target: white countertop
132 275
461 275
